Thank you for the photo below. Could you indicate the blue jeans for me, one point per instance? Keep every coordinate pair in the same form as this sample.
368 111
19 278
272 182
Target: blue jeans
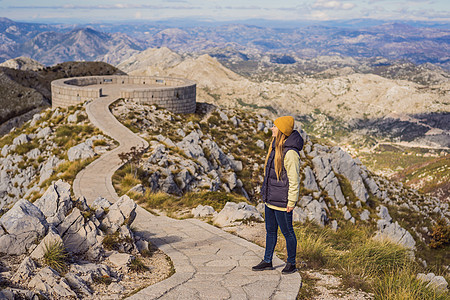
275 218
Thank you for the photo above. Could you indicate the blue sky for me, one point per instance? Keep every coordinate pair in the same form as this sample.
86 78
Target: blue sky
222 10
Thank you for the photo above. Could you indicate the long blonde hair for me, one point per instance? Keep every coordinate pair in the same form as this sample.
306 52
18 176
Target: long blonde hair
279 143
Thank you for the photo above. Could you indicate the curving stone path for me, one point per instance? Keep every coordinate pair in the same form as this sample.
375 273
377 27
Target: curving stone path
209 263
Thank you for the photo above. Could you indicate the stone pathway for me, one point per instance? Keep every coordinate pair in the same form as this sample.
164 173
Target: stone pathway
209 263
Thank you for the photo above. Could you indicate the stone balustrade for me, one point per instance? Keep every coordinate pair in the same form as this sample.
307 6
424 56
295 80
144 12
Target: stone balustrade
175 94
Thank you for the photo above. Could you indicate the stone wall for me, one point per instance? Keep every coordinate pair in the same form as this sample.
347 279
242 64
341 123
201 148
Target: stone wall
175 94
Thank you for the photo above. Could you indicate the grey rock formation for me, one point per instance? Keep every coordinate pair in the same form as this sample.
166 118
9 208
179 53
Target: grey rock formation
78 284
24 223
327 179
437 282
219 158
169 186
190 145
310 180
184 178
44 133
88 271
138 189
365 215
343 164
120 260
260 144
123 211
49 282
46 168
51 238
21 139
25 271
299 215
235 213
81 151
34 153
395 233
202 211
383 213
73 117
56 202
314 210
223 115
79 235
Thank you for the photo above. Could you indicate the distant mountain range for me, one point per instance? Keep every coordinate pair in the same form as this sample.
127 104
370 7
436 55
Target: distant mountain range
51 44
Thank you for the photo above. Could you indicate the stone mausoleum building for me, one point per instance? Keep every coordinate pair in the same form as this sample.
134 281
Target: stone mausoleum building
175 94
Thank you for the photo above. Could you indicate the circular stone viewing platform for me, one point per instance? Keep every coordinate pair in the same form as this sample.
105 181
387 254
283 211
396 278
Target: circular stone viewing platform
175 94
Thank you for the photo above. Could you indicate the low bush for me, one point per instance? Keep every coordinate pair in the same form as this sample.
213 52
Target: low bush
55 256
136 265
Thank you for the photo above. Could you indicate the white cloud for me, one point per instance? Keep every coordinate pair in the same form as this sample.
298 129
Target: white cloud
333 4
319 15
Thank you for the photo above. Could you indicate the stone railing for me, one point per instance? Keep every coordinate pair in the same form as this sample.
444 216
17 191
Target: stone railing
175 94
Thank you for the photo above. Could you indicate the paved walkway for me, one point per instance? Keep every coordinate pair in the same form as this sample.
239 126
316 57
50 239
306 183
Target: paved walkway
209 263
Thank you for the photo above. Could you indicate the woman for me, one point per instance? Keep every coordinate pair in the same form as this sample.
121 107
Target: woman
280 191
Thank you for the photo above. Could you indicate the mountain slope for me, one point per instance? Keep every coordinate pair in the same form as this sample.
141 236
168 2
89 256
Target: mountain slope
23 91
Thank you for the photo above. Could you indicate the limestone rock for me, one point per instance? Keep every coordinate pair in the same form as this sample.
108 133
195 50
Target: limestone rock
190 145
73 117
184 178
121 260
299 215
343 164
310 180
56 202
236 212
33 154
116 288
123 211
81 151
395 233
260 144
51 238
46 169
383 213
327 179
437 282
202 211
365 215
169 186
21 139
44 132
25 271
88 271
79 235
24 224
78 284
49 282
138 189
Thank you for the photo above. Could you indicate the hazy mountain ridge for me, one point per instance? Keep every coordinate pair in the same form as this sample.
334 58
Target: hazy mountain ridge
392 41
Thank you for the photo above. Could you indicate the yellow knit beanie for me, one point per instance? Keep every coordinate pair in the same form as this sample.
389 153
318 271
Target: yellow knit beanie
285 124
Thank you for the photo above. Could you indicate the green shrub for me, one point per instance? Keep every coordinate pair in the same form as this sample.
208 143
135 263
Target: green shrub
403 285
136 265
55 256
440 234
112 241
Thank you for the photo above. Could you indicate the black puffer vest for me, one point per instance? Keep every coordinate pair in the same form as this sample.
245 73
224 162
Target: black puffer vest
275 191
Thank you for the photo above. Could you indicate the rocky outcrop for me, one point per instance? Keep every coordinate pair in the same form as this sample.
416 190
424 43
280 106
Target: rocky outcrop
395 233
80 230
56 202
236 213
327 179
23 224
437 282
203 211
